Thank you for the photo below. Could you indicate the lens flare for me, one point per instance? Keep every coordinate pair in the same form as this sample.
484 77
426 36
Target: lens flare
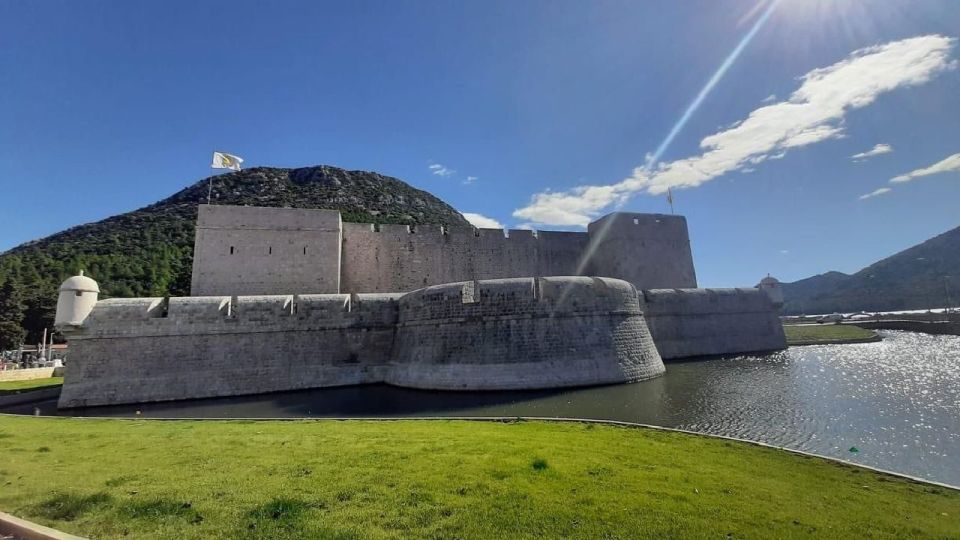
653 158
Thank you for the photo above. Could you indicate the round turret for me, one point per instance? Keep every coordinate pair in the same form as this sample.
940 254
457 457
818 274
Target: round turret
78 295
771 286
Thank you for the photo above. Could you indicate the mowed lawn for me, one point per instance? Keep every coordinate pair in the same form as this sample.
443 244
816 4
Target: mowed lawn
440 479
15 387
803 333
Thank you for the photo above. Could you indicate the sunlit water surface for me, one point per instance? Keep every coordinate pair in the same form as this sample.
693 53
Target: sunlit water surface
896 401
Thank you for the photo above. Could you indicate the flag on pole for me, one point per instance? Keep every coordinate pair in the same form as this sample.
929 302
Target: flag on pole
670 199
223 160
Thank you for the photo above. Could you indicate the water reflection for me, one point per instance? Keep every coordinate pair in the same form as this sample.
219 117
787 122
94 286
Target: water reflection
897 401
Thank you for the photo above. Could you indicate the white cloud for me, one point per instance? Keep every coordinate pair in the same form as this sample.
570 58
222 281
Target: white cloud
481 221
814 112
440 170
874 193
951 163
470 179
769 99
875 151
784 251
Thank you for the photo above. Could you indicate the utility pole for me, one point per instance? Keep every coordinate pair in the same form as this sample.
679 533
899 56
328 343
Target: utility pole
946 293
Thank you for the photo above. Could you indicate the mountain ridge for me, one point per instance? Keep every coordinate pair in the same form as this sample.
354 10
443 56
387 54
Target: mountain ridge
148 251
926 275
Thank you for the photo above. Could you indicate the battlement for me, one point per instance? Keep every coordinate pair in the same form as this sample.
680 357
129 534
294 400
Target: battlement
252 251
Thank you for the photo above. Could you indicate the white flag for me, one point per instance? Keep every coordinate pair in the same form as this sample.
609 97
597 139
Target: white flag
222 160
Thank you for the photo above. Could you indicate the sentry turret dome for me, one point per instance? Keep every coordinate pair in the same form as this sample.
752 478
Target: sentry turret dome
80 283
78 295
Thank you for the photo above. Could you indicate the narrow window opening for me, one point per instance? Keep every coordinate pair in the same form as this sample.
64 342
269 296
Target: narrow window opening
304 250
270 250
231 250
79 293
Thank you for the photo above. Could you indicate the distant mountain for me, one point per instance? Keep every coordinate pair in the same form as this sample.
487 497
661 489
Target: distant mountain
149 252
916 278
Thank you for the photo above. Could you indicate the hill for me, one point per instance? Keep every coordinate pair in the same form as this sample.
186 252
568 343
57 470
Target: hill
919 277
149 252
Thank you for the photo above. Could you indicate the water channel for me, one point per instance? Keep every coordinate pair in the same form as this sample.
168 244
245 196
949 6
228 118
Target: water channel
897 402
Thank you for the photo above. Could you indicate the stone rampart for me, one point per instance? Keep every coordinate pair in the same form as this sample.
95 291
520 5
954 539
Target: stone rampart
698 322
522 333
149 349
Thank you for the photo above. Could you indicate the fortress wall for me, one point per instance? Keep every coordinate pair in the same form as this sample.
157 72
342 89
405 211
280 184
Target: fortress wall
697 322
651 251
138 350
250 250
522 333
253 250
403 258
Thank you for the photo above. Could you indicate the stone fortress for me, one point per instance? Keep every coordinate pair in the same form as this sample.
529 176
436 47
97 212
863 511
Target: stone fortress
285 299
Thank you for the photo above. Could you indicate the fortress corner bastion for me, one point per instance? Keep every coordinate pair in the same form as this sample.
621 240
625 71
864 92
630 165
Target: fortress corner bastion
287 299
522 333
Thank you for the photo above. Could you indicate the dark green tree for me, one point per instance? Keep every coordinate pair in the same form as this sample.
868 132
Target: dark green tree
12 310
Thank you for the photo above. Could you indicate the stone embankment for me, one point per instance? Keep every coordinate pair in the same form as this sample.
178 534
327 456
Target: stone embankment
927 327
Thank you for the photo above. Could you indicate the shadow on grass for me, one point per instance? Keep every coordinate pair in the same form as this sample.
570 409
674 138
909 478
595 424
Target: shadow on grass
282 517
157 509
69 506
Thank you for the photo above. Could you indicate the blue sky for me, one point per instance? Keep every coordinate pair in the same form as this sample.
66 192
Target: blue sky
539 114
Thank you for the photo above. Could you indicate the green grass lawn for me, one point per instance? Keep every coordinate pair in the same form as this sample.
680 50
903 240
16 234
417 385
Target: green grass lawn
440 479
14 387
824 332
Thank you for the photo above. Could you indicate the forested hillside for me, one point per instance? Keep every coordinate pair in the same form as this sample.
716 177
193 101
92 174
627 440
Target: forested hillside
148 252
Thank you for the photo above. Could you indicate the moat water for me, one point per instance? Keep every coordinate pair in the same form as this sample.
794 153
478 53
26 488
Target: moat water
897 402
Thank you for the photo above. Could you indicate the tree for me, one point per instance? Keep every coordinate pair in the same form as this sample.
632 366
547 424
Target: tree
11 316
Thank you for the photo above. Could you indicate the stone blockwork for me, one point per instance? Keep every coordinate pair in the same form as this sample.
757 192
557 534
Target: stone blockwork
522 333
652 251
250 250
699 322
146 349
254 250
398 258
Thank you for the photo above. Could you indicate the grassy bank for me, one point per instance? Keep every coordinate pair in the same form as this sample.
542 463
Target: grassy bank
15 387
440 479
806 334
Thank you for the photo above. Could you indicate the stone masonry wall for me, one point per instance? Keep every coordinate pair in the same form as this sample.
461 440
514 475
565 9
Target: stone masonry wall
142 349
401 258
698 322
252 250
248 250
522 333
652 251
